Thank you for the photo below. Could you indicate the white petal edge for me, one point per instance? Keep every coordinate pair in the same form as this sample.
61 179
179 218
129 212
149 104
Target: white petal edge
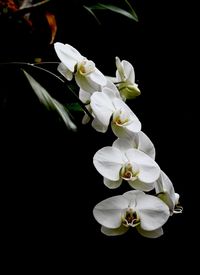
112 184
150 234
146 145
139 185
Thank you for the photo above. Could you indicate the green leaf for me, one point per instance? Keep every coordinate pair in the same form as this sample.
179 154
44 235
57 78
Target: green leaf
50 102
129 14
92 13
132 10
74 107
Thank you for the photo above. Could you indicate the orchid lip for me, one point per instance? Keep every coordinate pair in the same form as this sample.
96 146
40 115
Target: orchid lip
128 172
130 218
178 209
121 119
86 67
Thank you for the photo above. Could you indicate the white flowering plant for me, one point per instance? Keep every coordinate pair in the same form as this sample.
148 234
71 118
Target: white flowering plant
150 198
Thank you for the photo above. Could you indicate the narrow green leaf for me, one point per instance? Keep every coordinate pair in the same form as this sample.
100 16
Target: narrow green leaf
132 10
50 102
131 14
119 10
92 13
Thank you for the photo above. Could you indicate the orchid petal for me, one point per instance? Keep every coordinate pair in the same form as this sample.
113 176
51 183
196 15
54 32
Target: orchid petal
85 119
150 234
84 96
149 170
146 145
98 77
133 124
98 126
63 70
112 184
68 55
102 107
112 87
153 213
139 185
109 211
120 132
132 195
120 73
85 83
177 197
129 71
114 231
123 144
108 162
165 190
111 92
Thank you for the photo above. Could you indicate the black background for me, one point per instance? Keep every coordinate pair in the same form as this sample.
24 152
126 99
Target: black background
49 185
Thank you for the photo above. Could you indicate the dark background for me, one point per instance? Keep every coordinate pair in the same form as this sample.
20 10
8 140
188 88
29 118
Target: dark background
49 185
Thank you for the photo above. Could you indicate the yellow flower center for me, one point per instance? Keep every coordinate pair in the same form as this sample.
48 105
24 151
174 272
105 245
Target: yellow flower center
86 67
121 118
128 172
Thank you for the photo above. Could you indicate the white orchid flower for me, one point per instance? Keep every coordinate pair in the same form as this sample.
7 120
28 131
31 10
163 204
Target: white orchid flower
139 141
125 79
106 105
87 76
165 191
131 165
85 98
146 213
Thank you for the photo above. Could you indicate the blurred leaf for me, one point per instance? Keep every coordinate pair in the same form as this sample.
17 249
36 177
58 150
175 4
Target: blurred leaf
92 13
52 24
27 6
50 103
70 86
74 107
130 13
